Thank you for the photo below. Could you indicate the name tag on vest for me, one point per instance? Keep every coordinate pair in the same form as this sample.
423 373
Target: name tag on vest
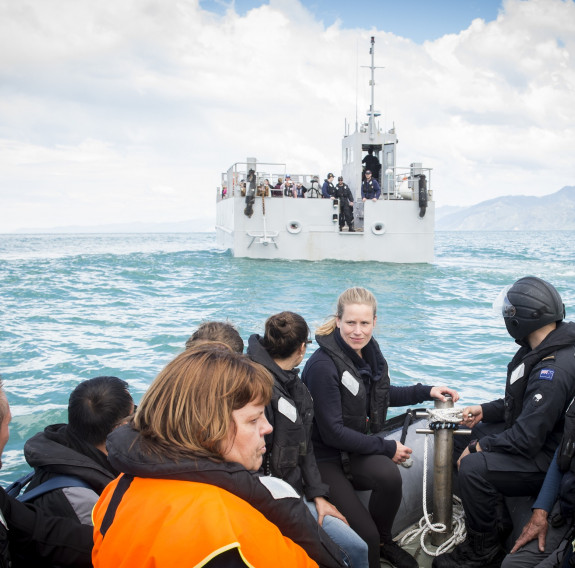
287 409
350 383
517 373
278 487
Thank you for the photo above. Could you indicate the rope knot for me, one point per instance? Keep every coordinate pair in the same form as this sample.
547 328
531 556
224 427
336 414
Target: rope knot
444 418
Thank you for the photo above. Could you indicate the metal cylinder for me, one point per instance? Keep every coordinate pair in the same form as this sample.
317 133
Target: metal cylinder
442 479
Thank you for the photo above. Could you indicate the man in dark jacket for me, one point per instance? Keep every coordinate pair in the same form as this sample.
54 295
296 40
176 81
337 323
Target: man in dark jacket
345 197
370 187
29 537
515 438
78 449
372 163
328 189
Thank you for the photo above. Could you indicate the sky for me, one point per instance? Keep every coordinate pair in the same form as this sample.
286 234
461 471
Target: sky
121 112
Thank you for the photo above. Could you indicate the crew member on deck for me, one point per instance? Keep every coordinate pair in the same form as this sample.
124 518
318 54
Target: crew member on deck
345 197
372 163
370 188
328 189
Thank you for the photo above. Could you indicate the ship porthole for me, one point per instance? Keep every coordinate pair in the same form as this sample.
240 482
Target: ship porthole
378 228
294 227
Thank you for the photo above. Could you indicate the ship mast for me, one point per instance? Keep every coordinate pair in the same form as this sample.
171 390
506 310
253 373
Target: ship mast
372 113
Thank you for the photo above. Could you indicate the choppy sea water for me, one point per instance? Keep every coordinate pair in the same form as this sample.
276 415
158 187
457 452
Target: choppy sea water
77 306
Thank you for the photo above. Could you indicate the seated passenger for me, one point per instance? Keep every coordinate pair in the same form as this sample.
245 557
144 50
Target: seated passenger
30 537
189 489
78 449
289 451
221 331
348 378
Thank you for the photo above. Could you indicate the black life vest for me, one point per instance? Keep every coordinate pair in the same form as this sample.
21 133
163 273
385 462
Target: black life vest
368 189
353 391
518 372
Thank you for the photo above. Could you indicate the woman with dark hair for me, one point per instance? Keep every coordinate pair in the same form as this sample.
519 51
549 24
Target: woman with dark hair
289 451
349 380
189 494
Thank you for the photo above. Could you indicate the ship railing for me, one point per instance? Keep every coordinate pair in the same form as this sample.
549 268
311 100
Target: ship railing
235 181
404 182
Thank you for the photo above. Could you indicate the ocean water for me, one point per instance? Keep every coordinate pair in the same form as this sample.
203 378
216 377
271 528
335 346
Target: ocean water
77 306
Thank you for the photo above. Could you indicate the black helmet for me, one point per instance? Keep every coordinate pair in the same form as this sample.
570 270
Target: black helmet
530 304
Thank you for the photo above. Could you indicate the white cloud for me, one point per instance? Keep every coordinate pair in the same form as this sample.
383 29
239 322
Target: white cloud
128 111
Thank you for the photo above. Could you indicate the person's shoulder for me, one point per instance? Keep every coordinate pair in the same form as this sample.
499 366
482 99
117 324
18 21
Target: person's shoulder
319 359
560 365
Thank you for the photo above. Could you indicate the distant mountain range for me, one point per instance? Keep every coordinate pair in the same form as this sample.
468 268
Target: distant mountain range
191 226
512 213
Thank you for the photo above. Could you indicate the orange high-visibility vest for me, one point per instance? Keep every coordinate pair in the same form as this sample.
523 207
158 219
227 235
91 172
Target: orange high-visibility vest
162 523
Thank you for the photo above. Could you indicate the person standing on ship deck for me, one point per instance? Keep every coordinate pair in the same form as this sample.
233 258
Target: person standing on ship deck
345 197
370 188
328 189
372 163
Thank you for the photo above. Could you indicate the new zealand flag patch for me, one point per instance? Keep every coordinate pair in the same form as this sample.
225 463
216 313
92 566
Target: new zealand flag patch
546 374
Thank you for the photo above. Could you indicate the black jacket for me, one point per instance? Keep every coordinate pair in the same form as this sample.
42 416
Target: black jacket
343 193
127 454
327 189
57 451
36 539
289 451
351 397
540 386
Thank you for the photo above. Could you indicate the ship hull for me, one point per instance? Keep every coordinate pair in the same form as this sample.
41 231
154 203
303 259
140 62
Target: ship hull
388 230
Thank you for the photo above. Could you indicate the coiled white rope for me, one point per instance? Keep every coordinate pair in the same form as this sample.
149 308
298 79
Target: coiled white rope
425 526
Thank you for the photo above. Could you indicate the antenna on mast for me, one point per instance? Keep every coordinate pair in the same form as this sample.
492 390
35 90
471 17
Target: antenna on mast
356 80
372 113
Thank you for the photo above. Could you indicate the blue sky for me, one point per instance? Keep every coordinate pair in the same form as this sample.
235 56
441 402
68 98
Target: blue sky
119 112
419 20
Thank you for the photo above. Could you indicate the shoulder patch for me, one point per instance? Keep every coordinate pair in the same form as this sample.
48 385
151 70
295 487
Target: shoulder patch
546 374
537 398
278 487
350 383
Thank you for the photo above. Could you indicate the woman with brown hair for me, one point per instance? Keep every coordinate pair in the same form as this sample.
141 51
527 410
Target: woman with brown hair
189 494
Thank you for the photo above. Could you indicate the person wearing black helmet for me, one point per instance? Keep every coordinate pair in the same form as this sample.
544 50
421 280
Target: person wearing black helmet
514 438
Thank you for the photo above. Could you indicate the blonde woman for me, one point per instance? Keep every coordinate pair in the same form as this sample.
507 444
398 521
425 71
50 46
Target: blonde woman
349 381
